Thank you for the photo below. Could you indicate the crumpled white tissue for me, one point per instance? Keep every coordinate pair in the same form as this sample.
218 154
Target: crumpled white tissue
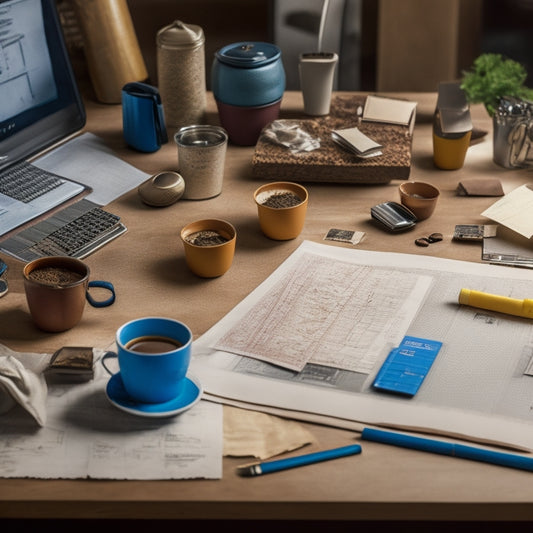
23 384
288 133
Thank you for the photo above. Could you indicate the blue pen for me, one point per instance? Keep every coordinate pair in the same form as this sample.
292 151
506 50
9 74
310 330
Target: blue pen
462 451
257 469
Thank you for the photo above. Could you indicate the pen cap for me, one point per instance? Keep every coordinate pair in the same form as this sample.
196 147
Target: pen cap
464 296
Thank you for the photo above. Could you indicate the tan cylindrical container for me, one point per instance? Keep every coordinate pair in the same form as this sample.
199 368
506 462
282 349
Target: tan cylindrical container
181 73
201 159
111 47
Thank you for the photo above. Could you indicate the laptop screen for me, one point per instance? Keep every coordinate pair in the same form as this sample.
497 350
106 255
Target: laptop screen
39 100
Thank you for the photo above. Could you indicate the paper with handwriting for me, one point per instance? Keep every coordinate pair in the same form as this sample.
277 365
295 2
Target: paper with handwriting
85 436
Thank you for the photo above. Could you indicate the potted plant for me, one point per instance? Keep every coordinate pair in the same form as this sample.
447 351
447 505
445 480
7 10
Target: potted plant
493 76
492 80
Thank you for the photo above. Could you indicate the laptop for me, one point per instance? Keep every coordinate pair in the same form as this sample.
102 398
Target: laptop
40 106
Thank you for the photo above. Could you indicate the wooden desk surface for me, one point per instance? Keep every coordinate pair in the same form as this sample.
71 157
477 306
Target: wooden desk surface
148 269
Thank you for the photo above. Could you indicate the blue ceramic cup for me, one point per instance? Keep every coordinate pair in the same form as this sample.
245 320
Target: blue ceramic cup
153 356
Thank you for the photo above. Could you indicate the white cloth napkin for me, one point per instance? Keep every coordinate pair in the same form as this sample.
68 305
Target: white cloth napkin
22 381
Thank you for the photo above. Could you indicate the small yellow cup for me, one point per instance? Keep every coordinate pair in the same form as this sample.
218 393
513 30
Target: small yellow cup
281 223
450 153
211 260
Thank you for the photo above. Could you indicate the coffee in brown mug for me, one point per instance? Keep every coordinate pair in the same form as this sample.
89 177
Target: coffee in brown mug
153 344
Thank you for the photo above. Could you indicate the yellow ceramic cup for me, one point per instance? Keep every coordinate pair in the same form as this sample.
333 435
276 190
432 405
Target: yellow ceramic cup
209 260
283 222
450 153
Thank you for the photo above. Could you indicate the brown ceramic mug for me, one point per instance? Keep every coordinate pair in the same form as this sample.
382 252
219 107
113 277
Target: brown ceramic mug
56 290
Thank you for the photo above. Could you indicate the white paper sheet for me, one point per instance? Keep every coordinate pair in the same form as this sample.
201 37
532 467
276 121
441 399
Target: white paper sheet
477 388
310 316
514 210
87 160
85 436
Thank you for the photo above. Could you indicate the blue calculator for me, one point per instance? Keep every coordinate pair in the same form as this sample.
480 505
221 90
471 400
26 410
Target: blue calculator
406 366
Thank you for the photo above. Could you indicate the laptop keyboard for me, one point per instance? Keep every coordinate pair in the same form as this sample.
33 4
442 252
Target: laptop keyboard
77 235
25 182
75 231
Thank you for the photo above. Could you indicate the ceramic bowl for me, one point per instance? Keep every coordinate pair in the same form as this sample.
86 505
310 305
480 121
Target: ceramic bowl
419 197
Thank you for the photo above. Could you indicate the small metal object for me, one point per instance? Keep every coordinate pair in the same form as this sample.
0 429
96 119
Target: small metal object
468 232
394 216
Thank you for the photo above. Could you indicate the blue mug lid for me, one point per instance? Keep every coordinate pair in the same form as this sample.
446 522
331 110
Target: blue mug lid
248 54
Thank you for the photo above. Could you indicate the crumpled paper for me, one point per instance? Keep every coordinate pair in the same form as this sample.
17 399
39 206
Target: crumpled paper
288 133
252 433
22 381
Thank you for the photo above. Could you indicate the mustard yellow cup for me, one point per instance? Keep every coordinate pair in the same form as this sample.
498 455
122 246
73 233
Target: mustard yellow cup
205 258
281 222
450 153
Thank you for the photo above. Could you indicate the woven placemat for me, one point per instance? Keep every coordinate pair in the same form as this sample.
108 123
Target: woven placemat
331 163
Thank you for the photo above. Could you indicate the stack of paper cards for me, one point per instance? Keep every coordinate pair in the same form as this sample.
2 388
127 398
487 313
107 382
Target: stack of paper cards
355 141
389 111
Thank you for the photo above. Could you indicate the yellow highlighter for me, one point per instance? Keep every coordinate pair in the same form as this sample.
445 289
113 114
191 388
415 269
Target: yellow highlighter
501 304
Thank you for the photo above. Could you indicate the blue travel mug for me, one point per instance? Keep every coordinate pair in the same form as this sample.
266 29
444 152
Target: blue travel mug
143 118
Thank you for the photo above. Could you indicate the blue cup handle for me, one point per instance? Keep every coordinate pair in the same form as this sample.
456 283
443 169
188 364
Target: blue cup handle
104 285
108 355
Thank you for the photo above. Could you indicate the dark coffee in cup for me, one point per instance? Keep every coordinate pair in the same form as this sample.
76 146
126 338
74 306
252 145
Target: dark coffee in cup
152 344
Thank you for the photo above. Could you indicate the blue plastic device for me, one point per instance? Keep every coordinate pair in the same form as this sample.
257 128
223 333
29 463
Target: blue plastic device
407 365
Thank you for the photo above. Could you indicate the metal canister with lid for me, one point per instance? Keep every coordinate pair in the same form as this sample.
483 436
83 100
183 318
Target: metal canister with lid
181 73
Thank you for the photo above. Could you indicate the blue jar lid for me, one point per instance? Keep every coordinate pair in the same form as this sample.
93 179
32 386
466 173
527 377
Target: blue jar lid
248 54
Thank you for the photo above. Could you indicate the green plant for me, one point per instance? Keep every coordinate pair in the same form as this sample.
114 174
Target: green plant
493 76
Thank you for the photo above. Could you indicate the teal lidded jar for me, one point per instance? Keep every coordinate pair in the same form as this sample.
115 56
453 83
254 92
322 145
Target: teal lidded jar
248 82
248 74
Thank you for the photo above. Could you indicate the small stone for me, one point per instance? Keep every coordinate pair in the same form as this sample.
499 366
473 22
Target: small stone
422 242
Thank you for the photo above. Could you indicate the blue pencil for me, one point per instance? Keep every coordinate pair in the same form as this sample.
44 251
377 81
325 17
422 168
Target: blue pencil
463 451
258 469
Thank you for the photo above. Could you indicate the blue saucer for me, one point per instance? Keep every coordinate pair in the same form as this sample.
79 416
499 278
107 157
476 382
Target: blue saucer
117 395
